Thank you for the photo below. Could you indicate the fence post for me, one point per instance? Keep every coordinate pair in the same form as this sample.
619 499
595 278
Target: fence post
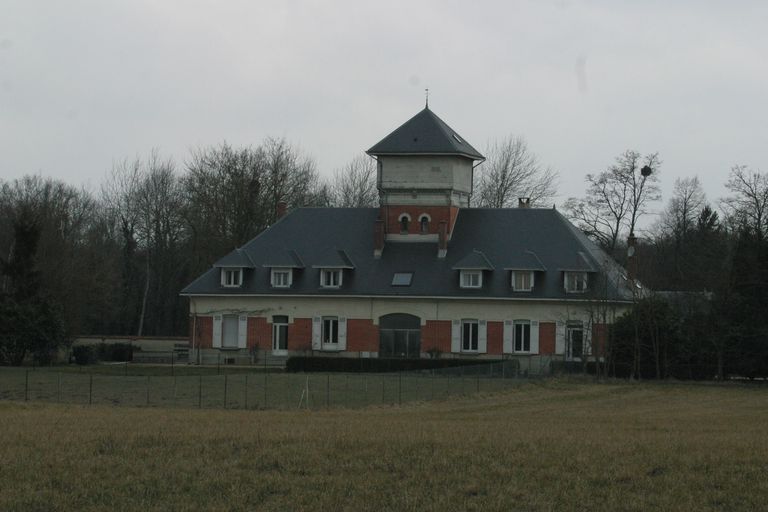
200 391
90 388
225 390
265 382
26 385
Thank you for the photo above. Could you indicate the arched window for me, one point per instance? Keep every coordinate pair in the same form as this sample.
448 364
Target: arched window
405 219
424 224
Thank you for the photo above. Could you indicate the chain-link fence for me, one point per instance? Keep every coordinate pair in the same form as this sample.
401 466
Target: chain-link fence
251 389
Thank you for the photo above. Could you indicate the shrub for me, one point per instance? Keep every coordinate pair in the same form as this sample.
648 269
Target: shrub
374 365
84 354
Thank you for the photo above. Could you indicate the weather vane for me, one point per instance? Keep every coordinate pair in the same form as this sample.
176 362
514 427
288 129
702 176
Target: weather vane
426 95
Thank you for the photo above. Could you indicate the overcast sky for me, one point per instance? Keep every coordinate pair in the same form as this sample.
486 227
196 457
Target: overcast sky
84 84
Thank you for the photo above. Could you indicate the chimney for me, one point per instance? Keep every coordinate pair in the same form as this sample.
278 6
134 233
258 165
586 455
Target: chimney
378 238
523 202
442 239
282 208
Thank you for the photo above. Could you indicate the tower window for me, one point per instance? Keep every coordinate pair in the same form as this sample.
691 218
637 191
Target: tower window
405 220
424 224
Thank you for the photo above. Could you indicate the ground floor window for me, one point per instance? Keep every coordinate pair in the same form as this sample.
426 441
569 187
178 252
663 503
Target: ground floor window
330 334
469 336
522 336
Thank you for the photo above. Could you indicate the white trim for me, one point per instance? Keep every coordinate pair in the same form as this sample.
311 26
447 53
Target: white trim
455 336
282 270
410 297
242 331
468 273
217 327
507 337
317 326
482 336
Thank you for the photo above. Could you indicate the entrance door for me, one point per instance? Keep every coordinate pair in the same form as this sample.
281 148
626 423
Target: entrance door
400 336
575 340
280 335
229 331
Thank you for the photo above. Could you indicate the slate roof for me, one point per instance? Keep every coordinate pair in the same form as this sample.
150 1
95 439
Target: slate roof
474 260
237 258
283 259
541 239
425 133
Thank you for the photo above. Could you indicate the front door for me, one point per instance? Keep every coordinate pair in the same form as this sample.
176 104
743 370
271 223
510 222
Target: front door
575 341
280 335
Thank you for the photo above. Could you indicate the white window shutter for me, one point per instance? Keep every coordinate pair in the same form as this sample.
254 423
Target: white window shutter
560 338
534 337
509 329
217 323
482 336
342 333
317 330
456 336
588 338
242 331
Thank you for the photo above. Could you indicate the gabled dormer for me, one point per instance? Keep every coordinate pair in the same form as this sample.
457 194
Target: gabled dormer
282 266
232 268
523 267
472 269
332 264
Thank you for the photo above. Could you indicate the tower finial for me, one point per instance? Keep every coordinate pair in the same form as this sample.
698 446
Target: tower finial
426 94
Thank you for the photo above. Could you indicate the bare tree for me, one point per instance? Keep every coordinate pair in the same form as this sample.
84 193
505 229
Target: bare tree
748 205
616 198
512 170
291 176
354 185
683 209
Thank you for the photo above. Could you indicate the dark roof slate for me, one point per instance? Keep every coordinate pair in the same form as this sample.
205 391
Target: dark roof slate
341 236
284 258
425 133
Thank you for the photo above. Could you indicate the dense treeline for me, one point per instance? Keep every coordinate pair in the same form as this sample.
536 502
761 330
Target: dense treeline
704 268
112 261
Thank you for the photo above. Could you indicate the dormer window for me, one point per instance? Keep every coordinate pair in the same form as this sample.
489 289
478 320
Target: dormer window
522 281
231 277
330 278
471 278
282 277
575 282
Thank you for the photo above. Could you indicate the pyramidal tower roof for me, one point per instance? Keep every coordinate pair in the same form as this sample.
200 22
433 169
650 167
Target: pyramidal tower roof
425 134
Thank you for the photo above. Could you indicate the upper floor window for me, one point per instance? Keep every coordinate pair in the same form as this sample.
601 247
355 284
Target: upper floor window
330 278
471 278
424 224
575 282
522 281
231 277
282 277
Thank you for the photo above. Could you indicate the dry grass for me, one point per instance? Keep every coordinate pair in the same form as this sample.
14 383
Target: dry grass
552 446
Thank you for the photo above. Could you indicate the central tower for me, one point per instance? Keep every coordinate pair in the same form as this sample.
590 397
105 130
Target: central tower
424 176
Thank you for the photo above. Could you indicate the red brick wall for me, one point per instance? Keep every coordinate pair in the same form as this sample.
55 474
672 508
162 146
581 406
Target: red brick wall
300 334
362 335
495 337
203 338
436 334
547 332
391 216
259 333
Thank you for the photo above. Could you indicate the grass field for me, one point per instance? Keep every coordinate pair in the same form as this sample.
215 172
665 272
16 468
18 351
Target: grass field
553 445
240 388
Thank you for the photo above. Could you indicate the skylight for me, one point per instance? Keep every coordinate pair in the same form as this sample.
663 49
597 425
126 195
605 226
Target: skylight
402 279
458 138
